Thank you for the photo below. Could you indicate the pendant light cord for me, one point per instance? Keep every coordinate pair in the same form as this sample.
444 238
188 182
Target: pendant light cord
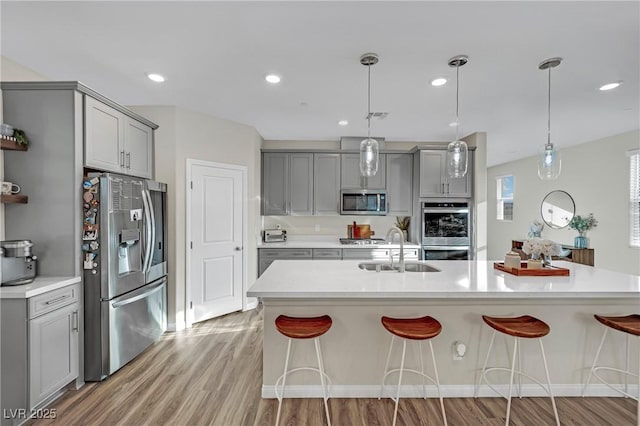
369 103
549 110
457 99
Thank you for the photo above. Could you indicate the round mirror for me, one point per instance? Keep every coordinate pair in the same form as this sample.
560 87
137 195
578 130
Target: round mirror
558 209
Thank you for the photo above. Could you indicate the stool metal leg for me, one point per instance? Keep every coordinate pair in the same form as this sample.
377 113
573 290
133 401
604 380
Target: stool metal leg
386 366
395 411
484 367
284 379
546 371
604 335
321 368
638 403
513 368
626 368
424 378
435 369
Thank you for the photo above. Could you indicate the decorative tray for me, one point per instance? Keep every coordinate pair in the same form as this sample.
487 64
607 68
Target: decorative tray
546 271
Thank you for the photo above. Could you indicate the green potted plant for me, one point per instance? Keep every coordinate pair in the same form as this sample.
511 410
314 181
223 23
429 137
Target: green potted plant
582 225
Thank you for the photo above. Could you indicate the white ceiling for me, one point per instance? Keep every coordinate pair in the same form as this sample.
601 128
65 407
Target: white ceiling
215 56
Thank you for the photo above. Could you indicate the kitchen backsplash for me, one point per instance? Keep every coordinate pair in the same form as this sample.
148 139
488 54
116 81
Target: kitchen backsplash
328 225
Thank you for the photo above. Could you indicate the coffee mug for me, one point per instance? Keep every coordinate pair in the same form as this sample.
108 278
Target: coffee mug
9 188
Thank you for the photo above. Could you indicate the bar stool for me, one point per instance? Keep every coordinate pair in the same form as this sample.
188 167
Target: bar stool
417 329
630 325
519 327
303 328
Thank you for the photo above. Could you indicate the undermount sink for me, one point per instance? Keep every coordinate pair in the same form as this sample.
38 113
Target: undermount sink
408 267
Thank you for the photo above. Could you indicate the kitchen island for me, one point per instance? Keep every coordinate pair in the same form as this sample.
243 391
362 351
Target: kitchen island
458 295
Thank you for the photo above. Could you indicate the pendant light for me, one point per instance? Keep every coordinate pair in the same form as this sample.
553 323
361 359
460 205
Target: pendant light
369 147
457 151
549 164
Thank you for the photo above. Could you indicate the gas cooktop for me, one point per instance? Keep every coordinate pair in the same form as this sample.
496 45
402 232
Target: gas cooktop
362 241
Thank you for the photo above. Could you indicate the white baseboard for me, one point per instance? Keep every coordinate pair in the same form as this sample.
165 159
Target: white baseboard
252 303
448 391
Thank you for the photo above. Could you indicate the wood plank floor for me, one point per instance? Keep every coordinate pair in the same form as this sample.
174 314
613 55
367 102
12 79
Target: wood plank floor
212 375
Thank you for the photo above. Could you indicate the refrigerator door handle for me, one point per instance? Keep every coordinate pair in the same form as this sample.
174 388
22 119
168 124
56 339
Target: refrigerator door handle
135 296
148 223
153 230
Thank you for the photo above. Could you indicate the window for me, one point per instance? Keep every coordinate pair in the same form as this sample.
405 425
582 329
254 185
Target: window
634 198
504 194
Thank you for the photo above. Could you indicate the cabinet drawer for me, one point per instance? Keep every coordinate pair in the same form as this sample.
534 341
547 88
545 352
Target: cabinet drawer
326 253
409 254
52 300
365 254
285 254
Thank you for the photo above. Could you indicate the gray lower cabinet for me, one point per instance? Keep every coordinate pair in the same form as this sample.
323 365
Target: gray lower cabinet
267 256
287 184
350 173
434 181
39 344
326 184
399 184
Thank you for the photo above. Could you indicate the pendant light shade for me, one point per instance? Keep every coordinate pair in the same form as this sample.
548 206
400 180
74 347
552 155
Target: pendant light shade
369 147
549 163
457 151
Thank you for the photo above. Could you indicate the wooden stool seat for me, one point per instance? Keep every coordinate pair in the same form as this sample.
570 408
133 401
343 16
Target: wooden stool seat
303 328
523 326
627 324
413 328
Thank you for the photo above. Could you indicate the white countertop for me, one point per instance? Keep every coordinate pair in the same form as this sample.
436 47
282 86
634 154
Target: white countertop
458 279
38 286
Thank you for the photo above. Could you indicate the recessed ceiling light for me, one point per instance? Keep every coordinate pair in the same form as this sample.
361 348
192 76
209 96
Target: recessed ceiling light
158 78
610 86
272 78
438 81
343 123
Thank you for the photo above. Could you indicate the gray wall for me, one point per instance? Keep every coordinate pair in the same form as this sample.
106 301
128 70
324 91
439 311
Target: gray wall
596 174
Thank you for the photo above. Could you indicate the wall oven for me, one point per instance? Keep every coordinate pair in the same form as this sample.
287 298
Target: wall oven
446 230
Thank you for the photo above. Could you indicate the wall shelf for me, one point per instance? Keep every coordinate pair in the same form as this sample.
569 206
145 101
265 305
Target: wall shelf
11 145
15 199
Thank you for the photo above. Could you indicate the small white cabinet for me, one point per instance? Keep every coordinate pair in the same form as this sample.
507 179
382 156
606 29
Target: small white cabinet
434 181
115 142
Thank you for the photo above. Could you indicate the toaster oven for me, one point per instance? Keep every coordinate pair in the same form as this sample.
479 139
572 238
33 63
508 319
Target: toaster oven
274 236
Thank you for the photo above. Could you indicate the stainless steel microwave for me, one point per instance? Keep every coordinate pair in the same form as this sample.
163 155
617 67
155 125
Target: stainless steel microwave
363 202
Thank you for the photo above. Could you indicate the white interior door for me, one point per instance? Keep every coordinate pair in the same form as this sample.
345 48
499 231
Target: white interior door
216 213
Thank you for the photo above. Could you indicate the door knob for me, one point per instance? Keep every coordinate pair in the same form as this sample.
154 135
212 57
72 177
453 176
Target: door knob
238 248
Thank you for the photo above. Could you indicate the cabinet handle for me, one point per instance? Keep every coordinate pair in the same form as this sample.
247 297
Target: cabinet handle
122 158
128 160
443 187
74 321
56 300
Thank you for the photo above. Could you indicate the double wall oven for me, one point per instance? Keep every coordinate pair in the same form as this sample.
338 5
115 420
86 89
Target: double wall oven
446 231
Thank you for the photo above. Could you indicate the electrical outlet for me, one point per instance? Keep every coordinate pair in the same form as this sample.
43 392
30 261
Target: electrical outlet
458 349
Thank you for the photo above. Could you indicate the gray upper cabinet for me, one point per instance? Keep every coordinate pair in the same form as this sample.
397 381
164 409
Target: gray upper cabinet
301 184
275 184
287 184
350 173
326 184
434 181
399 170
115 142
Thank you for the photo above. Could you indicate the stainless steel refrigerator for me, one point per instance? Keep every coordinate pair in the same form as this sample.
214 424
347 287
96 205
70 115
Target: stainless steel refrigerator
124 257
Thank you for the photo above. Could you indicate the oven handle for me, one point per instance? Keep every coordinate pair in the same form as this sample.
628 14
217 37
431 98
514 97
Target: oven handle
445 210
445 248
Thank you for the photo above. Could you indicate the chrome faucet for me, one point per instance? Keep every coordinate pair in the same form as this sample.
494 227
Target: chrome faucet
390 232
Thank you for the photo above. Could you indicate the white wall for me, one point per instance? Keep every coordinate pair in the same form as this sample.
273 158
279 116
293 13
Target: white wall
12 71
186 135
596 174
